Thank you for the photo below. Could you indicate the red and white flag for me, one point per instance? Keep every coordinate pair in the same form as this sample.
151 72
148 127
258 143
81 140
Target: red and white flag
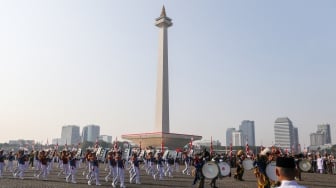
96 144
211 147
191 143
247 148
115 146
56 146
162 146
66 144
230 149
140 145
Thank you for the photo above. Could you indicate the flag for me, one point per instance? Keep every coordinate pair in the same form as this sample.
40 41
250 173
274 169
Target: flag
191 143
247 148
211 147
140 145
56 146
162 146
116 144
96 144
66 144
230 149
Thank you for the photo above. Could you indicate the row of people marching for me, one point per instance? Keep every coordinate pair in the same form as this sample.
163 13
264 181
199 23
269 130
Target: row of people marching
67 164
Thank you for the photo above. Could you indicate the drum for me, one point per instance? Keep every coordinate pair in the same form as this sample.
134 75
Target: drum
270 171
210 170
305 165
248 164
224 169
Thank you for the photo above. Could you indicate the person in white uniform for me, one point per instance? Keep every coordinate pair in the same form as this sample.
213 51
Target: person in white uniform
285 171
319 162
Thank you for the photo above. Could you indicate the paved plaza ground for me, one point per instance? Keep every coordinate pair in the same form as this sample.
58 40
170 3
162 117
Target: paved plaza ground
179 180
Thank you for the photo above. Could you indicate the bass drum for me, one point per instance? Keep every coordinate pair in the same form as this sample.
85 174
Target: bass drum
270 171
305 165
210 170
224 169
248 164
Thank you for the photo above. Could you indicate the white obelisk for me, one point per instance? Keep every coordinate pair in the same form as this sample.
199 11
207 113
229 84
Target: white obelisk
162 90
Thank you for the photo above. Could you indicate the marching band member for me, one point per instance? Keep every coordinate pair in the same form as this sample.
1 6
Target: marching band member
112 166
31 159
159 167
170 163
260 169
65 163
73 162
186 160
198 164
43 161
177 164
2 162
36 163
120 172
240 169
95 168
135 167
150 161
86 159
213 181
22 166
11 158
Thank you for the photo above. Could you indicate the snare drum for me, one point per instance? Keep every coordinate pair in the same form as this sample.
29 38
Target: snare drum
210 170
305 165
248 164
270 171
224 169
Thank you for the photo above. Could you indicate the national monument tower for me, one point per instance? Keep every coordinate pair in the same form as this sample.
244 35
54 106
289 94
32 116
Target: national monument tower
161 135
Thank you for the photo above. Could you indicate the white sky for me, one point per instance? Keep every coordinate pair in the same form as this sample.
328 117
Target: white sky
94 62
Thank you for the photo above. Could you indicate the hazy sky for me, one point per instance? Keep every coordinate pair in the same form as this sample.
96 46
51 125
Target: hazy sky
84 62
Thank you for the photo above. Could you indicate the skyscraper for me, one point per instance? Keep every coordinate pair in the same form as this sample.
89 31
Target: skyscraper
70 135
317 139
248 134
296 144
90 133
325 129
229 135
237 138
283 132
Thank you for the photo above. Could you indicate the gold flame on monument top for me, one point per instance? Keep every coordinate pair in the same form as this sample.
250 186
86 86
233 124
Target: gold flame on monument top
163 12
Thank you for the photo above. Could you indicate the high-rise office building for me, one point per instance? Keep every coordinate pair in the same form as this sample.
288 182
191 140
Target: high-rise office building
284 133
105 138
237 138
248 134
296 144
90 133
229 135
70 135
325 129
317 139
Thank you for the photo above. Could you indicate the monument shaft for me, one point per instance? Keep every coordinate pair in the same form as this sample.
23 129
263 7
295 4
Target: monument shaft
162 92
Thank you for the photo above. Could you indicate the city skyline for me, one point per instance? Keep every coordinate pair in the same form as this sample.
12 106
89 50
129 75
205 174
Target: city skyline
82 62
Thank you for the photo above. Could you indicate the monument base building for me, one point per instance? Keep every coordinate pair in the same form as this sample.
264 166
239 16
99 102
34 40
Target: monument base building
156 139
